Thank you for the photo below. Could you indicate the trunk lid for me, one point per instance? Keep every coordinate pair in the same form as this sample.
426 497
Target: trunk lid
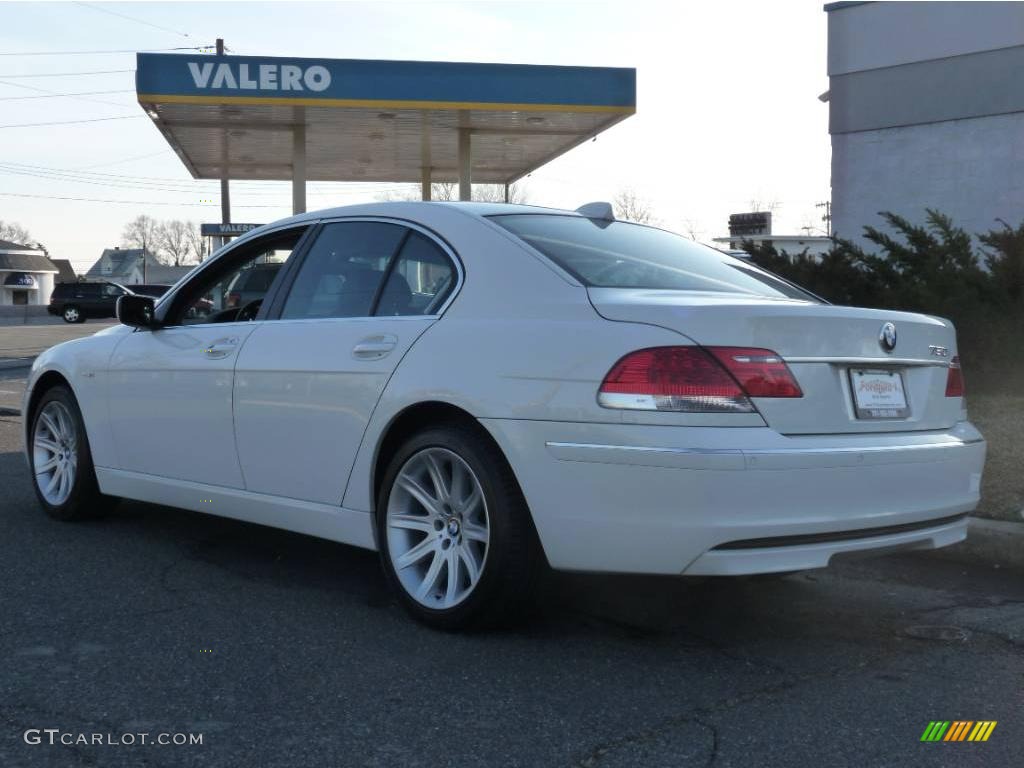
821 343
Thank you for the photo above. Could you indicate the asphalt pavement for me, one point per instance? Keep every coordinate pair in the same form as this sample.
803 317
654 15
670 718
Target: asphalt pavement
19 346
283 650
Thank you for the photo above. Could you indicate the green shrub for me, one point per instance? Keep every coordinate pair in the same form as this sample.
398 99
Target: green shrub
932 268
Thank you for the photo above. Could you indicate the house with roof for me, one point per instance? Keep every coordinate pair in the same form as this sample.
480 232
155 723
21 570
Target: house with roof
26 275
132 266
65 271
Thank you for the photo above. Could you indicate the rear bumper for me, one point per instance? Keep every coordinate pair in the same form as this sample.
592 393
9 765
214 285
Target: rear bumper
632 499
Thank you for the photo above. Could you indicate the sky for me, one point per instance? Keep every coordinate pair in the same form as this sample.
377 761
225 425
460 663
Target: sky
727 119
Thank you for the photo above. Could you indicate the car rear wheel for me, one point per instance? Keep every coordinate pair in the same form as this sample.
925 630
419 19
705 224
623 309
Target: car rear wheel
73 314
454 532
62 471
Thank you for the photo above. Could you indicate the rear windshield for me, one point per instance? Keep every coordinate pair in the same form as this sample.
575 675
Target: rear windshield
617 254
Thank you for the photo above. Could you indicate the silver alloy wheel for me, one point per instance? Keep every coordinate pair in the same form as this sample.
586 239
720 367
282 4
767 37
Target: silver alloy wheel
71 315
55 452
438 528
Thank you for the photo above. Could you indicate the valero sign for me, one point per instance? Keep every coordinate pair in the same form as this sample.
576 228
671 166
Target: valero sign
175 78
207 75
226 230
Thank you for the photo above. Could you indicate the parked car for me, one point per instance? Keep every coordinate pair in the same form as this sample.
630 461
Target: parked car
477 389
77 301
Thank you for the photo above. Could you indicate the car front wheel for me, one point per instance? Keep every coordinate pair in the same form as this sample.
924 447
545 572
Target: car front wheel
62 469
454 532
73 314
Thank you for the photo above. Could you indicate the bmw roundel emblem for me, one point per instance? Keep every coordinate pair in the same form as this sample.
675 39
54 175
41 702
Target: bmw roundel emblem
887 337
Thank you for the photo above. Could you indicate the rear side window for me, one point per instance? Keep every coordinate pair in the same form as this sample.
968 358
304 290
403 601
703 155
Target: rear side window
344 270
420 280
617 254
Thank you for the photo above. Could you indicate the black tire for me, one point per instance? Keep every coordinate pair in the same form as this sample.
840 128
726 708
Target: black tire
514 559
85 500
73 314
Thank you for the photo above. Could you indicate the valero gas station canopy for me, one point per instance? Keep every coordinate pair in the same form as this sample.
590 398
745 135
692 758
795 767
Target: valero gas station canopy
253 117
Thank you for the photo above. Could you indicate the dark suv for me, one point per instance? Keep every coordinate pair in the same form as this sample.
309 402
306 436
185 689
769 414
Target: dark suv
77 301
156 290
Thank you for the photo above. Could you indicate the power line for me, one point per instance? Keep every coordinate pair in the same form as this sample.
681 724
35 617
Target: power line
153 182
125 160
100 53
131 202
70 122
66 95
69 74
132 18
56 93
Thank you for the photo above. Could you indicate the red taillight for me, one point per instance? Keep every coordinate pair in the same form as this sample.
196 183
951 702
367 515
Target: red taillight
234 299
760 372
955 379
696 380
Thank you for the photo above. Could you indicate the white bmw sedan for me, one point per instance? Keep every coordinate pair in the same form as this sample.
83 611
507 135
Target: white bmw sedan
476 389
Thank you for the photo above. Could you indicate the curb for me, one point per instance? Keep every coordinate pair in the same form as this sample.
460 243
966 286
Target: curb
996 543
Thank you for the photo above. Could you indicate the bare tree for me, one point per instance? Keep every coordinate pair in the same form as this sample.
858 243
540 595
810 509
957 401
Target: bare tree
758 205
444 191
630 207
14 232
196 241
691 230
495 193
172 238
141 232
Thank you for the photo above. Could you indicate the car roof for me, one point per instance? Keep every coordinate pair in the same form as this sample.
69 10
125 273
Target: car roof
399 209
406 208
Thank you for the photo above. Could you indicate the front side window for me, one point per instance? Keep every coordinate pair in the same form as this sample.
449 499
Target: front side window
617 254
234 289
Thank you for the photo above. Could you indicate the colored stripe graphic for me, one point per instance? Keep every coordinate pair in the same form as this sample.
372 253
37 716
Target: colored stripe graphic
935 730
982 730
958 730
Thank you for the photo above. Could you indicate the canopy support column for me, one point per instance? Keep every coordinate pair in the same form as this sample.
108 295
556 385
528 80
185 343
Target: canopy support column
299 169
465 165
225 186
225 200
506 191
425 183
425 161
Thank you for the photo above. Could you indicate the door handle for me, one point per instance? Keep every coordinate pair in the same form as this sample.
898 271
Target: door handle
220 348
374 347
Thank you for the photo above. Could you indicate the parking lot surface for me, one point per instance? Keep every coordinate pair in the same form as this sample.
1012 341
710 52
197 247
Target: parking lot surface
19 344
282 650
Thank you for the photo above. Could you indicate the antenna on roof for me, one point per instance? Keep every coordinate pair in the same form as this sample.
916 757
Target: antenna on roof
597 210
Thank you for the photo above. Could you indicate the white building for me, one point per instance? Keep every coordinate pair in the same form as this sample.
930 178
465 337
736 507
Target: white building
926 110
26 275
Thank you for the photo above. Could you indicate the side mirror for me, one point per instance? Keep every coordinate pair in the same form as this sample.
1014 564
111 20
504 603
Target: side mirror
136 311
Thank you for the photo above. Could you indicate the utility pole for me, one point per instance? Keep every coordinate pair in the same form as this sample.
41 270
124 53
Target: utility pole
827 218
225 191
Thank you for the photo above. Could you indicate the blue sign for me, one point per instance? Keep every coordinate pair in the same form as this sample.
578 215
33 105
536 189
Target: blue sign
229 230
20 280
202 79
